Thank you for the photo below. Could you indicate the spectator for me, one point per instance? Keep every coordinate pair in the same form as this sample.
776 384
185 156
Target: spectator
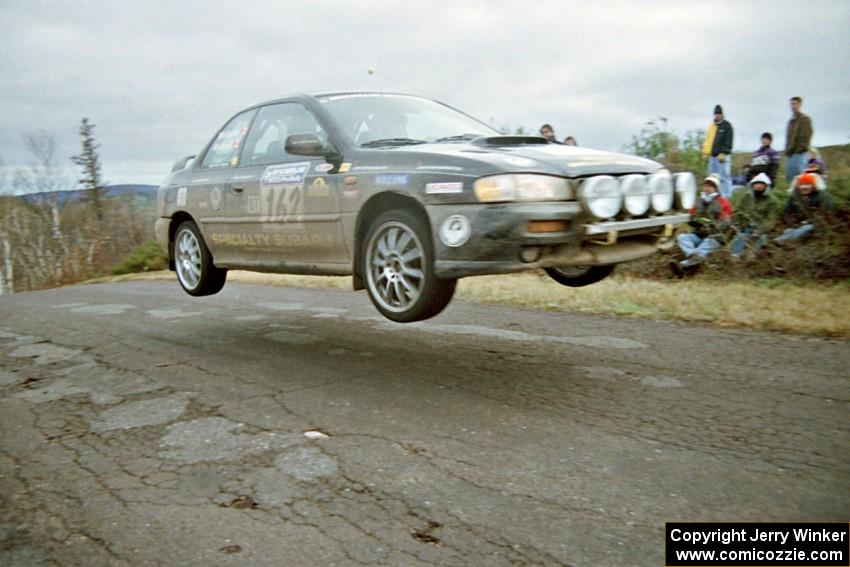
803 209
549 133
709 220
754 215
816 165
764 160
797 140
570 141
717 148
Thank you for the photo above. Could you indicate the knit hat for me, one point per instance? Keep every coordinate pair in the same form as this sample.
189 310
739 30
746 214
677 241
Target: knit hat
806 179
760 178
718 109
714 179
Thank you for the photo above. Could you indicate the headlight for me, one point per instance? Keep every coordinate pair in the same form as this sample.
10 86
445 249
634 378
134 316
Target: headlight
686 189
601 196
522 187
636 194
661 186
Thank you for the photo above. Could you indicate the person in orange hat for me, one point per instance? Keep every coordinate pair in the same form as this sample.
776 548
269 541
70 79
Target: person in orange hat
805 209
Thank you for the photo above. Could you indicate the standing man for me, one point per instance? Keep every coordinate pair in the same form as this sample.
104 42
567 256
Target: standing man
798 140
718 149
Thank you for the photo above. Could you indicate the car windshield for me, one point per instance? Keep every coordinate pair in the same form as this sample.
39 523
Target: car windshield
376 119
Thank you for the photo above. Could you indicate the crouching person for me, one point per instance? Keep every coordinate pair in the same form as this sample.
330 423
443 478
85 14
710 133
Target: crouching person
805 208
755 215
709 221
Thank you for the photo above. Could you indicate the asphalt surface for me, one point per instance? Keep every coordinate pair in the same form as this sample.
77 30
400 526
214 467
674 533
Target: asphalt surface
140 426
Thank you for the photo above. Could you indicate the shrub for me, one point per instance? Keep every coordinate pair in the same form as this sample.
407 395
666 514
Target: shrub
143 258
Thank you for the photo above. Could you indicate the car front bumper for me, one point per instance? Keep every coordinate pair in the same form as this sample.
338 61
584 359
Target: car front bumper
501 241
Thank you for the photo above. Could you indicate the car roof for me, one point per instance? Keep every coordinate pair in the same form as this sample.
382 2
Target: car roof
322 94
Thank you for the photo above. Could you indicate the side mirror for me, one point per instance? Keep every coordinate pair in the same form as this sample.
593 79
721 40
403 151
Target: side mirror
305 145
181 163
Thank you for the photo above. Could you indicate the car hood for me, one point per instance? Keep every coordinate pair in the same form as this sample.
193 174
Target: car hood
570 161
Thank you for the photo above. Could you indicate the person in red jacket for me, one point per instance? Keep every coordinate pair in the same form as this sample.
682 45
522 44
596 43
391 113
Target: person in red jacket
710 220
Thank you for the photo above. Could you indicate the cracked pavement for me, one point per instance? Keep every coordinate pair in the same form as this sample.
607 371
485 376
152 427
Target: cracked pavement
270 426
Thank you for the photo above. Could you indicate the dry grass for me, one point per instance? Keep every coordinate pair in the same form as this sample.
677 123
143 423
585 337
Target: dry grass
816 308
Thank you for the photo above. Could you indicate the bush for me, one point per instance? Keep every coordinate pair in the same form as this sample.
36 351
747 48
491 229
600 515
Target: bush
143 258
679 153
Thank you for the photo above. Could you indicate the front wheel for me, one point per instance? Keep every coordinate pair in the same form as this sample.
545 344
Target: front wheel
580 276
194 264
398 266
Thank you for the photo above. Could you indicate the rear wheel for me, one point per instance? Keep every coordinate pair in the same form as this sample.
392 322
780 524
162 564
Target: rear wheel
194 264
398 266
579 276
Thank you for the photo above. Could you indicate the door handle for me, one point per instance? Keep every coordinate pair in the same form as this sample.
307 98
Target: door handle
237 188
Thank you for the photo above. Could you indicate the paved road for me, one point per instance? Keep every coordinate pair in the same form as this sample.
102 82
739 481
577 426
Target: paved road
273 426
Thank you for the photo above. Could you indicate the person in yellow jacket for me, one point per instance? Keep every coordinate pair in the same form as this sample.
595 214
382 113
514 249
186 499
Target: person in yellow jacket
717 148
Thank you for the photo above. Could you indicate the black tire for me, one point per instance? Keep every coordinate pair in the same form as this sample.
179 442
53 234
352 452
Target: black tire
397 247
193 262
575 276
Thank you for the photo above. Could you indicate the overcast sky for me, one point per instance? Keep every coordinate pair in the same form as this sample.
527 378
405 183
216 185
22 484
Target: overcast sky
159 78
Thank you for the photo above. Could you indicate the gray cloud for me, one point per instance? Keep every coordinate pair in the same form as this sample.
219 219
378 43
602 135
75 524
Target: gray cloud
159 78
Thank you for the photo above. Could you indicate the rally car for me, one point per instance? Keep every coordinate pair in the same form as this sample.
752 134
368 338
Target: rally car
407 195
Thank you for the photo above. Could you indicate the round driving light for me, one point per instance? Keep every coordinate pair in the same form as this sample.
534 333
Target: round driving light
661 186
636 194
455 231
686 189
601 196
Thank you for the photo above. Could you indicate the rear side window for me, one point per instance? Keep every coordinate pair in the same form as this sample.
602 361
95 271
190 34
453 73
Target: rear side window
224 151
267 139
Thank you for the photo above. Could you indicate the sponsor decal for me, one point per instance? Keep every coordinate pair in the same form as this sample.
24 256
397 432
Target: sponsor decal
441 167
344 167
392 179
234 161
278 240
351 193
444 188
285 174
455 231
215 198
520 161
350 180
254 205
318 188
370 167
182 193
324 167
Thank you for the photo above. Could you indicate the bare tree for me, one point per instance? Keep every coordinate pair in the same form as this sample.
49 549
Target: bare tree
7 273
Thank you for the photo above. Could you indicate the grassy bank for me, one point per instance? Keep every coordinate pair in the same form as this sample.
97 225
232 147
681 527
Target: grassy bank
776 305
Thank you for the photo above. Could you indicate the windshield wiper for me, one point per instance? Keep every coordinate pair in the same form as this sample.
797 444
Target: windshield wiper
459 137
391 142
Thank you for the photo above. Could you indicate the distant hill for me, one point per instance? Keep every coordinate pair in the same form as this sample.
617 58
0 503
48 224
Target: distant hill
144 192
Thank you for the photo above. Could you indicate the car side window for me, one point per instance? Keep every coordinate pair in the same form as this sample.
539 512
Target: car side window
224 151
267 138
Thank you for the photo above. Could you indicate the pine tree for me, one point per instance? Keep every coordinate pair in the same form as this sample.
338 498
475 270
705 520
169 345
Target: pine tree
89 161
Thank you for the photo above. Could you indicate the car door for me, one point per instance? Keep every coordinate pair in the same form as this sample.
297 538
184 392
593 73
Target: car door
284 208
210 182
